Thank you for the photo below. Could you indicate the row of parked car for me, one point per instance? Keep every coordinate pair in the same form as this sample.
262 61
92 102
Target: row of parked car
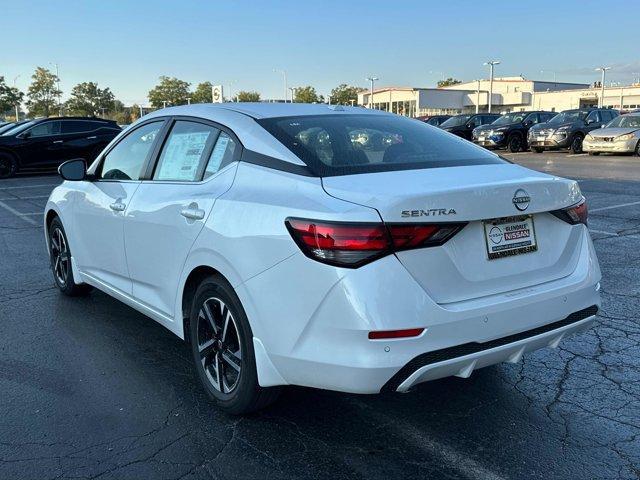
593 130
44 143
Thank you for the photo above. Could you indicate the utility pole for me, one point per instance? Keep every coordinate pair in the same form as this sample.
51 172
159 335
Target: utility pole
284 75
491 64
478 98
602 69
371 79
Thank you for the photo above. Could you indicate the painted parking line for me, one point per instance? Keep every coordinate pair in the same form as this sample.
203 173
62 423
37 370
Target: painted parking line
15 187
35 197
602 209
18 214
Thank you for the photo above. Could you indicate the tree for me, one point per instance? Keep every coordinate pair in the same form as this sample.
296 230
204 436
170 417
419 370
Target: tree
202 93
87 99
448 82
170 91
244 96
345 94
307 95
9 96
43 93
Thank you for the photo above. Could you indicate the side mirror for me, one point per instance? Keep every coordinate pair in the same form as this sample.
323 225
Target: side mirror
73 170
590 121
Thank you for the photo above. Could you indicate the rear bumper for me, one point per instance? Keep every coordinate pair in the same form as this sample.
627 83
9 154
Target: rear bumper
316 334
628 146
462 360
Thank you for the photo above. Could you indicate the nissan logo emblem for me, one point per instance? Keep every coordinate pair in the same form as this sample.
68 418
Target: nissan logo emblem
521 199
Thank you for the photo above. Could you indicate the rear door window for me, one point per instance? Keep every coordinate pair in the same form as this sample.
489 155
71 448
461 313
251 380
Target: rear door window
79 126
348 144
185 151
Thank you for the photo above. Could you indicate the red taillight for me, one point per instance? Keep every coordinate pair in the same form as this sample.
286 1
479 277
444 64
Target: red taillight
387 334
574 214
354 244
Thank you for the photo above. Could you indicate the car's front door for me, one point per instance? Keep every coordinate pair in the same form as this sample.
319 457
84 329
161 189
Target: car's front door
42 144
99 210
167 212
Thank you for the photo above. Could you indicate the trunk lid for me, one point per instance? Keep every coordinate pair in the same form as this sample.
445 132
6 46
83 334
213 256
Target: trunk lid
460 269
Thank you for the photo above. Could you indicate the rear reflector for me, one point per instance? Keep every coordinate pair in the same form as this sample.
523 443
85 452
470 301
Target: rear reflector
386 334
574 214
355 244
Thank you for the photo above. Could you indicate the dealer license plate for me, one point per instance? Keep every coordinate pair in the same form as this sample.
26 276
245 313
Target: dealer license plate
510 236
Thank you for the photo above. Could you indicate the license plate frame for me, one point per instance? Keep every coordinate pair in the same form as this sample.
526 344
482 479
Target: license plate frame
540 139
509 236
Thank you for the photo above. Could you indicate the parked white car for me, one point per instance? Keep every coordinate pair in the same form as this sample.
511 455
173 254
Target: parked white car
286 251
620 135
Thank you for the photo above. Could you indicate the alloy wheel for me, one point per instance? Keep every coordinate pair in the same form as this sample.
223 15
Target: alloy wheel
219 345
59 256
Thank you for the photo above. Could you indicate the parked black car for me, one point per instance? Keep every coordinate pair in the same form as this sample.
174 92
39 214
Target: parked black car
568 129
47 142
463 125
435 120
510 130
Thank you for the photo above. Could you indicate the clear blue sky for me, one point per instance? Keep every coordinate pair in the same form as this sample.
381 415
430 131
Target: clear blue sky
127 45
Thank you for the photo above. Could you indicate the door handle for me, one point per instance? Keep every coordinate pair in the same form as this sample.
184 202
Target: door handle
58 141
192 212
117 206
92 137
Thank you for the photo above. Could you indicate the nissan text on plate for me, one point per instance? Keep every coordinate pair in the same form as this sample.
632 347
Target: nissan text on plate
324 246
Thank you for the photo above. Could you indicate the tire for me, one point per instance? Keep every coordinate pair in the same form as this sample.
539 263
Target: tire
8 165
638 149
594 153
537 150
61 266
514 143
222 347
576 144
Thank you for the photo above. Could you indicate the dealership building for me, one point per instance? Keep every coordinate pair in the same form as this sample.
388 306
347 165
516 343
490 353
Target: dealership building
509 94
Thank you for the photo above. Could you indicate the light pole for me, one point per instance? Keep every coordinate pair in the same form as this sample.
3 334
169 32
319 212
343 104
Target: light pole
434 72
232 82
602 69
478 98
293 91
188 100
58 87
284 76
491 64
371 79
17 104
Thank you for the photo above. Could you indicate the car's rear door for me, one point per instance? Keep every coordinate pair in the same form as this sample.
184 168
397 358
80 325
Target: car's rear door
195 166
101 205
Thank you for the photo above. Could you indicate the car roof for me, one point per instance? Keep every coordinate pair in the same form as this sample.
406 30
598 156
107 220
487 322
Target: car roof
260 110
91 119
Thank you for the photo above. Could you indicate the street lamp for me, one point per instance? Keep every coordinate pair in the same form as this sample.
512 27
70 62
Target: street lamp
17 104
491 64
232 82
602 69
371 79
58 87
284 76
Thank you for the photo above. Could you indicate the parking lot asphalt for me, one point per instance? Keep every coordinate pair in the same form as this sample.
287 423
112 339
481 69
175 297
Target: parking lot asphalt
89 388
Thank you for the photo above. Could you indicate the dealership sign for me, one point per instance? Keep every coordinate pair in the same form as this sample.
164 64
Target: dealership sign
216 94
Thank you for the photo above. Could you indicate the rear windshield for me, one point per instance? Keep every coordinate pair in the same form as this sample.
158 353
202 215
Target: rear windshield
350 144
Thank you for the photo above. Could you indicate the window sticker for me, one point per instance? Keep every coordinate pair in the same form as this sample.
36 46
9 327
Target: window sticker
182 155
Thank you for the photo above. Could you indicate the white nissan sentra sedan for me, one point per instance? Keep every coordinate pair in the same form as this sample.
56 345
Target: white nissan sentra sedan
325 246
